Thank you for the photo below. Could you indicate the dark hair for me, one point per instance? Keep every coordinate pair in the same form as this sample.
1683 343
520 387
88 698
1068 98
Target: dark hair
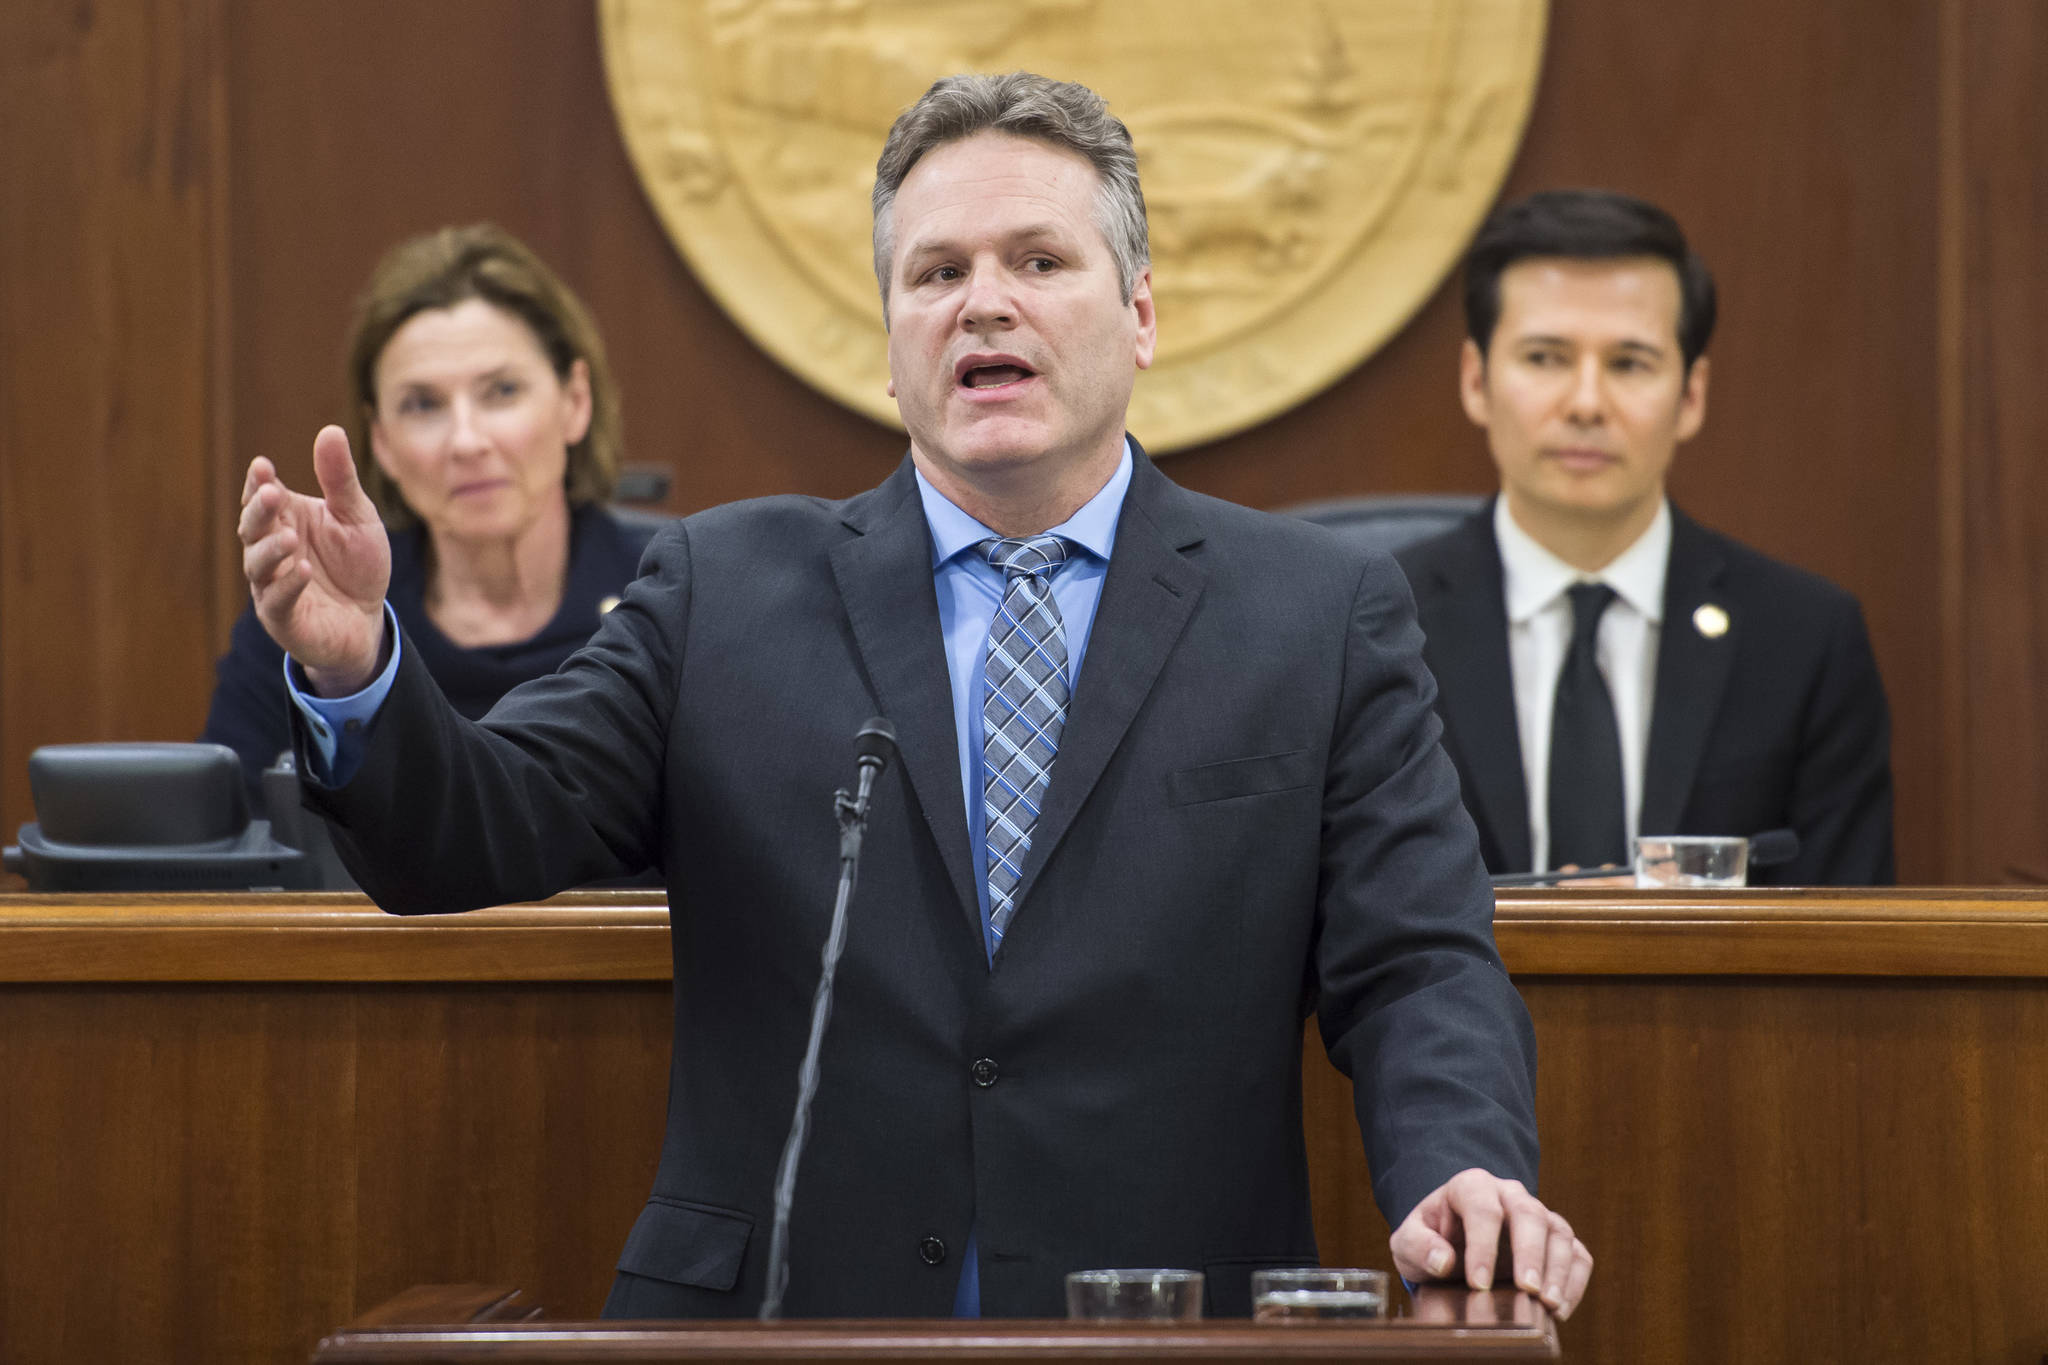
454 265
1059 113
1585 225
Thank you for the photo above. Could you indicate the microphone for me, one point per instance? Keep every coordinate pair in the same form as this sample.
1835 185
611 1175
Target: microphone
873 747
1771 848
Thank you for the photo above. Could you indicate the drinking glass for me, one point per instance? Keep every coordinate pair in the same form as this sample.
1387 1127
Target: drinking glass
1317 1294
1691 860
1126 1295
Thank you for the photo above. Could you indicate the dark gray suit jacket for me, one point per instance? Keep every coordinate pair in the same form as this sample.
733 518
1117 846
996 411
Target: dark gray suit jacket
1780 723
1250 818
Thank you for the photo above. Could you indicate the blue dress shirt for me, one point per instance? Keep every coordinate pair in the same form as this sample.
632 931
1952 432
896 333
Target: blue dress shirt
970 593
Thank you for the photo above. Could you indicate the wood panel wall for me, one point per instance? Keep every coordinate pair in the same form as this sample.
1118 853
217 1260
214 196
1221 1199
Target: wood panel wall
1993 452
113 529
191 191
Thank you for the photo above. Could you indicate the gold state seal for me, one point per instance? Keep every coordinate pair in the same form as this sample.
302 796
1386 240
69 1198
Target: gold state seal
1312 167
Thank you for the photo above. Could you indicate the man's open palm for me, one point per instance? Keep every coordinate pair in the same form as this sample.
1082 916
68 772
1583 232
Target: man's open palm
318 567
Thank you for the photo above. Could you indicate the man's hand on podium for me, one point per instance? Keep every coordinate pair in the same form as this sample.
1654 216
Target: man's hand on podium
1482 1218
318 567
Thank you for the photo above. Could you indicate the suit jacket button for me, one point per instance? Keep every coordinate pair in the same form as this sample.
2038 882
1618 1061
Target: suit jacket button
931 1251
985 1073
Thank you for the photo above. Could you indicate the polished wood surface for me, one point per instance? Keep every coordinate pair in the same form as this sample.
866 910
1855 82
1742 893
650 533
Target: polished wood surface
623 936
1790 1126
473 1322
329 936
196 188
225 1128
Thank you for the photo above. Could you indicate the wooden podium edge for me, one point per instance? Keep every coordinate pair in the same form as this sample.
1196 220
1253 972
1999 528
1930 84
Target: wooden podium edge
624 937
453 1323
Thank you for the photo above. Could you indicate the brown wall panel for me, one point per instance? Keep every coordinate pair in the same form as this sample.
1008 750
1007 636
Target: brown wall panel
1995 205
1807 148
108 532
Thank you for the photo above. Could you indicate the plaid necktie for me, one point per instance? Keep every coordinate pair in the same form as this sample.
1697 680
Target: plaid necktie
1023 709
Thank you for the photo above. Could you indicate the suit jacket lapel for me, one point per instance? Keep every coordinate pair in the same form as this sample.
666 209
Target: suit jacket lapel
885 582
1147 597
1692 674
1467 623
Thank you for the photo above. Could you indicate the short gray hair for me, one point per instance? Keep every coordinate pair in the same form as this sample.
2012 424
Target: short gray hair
1061 113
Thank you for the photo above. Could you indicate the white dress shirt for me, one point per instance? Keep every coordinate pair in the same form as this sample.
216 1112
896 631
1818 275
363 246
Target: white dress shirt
1540 630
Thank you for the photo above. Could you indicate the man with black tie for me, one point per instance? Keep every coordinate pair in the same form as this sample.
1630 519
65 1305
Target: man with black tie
1607 666
1169 781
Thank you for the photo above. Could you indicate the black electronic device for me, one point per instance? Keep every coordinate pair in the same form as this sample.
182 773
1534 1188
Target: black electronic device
296 827
147 817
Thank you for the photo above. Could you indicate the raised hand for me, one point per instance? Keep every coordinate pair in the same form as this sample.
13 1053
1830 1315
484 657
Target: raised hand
318 567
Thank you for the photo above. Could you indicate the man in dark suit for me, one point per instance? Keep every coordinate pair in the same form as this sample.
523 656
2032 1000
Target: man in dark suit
1607 666
1169 781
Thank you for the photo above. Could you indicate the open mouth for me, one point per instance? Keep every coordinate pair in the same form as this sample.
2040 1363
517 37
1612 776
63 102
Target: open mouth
992 372
994 376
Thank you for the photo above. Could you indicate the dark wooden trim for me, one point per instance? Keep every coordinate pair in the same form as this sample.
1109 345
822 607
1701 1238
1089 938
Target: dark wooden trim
461 1323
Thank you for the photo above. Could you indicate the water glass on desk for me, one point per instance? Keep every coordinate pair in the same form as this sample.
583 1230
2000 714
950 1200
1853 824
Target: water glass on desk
1683 861
1128 1295
1318 1294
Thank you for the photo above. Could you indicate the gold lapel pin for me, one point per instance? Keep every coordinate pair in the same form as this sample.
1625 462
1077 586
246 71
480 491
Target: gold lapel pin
1710 621
608 603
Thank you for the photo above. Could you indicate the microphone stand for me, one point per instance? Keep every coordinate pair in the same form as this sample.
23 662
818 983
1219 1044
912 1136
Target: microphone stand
852 814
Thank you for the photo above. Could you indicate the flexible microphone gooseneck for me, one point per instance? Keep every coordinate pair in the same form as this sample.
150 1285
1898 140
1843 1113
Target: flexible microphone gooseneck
873 747
1506 879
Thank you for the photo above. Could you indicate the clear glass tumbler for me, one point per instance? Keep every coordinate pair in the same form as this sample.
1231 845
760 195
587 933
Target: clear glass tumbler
1318 1294
1134 1295
1691 860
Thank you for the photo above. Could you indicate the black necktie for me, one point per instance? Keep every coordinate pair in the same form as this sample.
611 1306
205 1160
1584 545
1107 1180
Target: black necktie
1587 825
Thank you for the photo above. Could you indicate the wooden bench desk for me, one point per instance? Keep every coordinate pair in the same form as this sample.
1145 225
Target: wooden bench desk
1790 1125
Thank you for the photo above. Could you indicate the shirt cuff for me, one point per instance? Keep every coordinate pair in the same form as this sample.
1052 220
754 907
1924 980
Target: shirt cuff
338 724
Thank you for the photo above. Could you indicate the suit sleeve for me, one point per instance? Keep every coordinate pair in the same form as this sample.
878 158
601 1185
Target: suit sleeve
558 786
1414 1003
1841 804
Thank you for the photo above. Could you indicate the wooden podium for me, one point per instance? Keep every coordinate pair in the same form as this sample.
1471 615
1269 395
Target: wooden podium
449 1324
